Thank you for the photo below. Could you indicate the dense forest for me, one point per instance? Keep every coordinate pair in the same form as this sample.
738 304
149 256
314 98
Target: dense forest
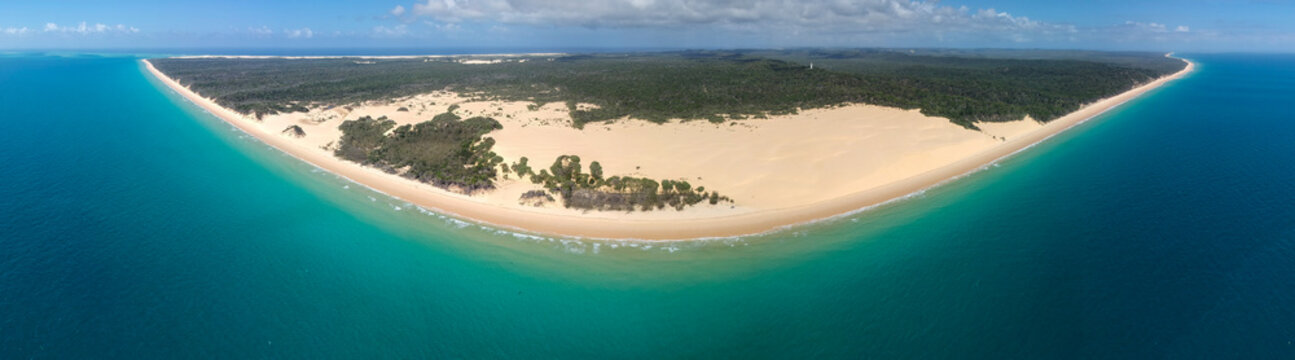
963 85
992 85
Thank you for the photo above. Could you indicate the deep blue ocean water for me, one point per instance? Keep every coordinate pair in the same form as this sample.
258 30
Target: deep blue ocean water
134 225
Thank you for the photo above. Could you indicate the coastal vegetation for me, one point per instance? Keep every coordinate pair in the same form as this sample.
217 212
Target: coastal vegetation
963 86
294 131
454 153
446 151
591 191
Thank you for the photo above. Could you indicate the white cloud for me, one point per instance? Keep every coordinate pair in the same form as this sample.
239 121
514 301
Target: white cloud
398 10
16 30
395 31
1134 27
84 28
1135 32
446 27
302 33
263 30
1153 27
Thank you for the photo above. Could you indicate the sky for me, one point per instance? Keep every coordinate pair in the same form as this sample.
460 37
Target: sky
1155 25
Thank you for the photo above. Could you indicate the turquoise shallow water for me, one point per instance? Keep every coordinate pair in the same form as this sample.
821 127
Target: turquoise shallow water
134 225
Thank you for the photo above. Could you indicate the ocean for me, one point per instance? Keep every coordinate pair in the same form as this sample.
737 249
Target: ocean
134 225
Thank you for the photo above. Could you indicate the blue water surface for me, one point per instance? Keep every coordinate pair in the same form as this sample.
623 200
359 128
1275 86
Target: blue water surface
134 225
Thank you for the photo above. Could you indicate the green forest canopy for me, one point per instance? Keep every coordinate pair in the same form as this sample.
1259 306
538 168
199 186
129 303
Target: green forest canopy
965 86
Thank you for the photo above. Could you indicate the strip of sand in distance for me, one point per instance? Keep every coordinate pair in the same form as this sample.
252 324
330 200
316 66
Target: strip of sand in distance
780 171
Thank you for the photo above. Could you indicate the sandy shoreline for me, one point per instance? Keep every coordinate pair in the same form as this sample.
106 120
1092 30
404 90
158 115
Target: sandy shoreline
723 224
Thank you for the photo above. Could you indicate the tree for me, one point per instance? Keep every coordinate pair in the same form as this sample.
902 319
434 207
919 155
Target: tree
521 168
682 186
557 169
573 167
596 170
649 189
